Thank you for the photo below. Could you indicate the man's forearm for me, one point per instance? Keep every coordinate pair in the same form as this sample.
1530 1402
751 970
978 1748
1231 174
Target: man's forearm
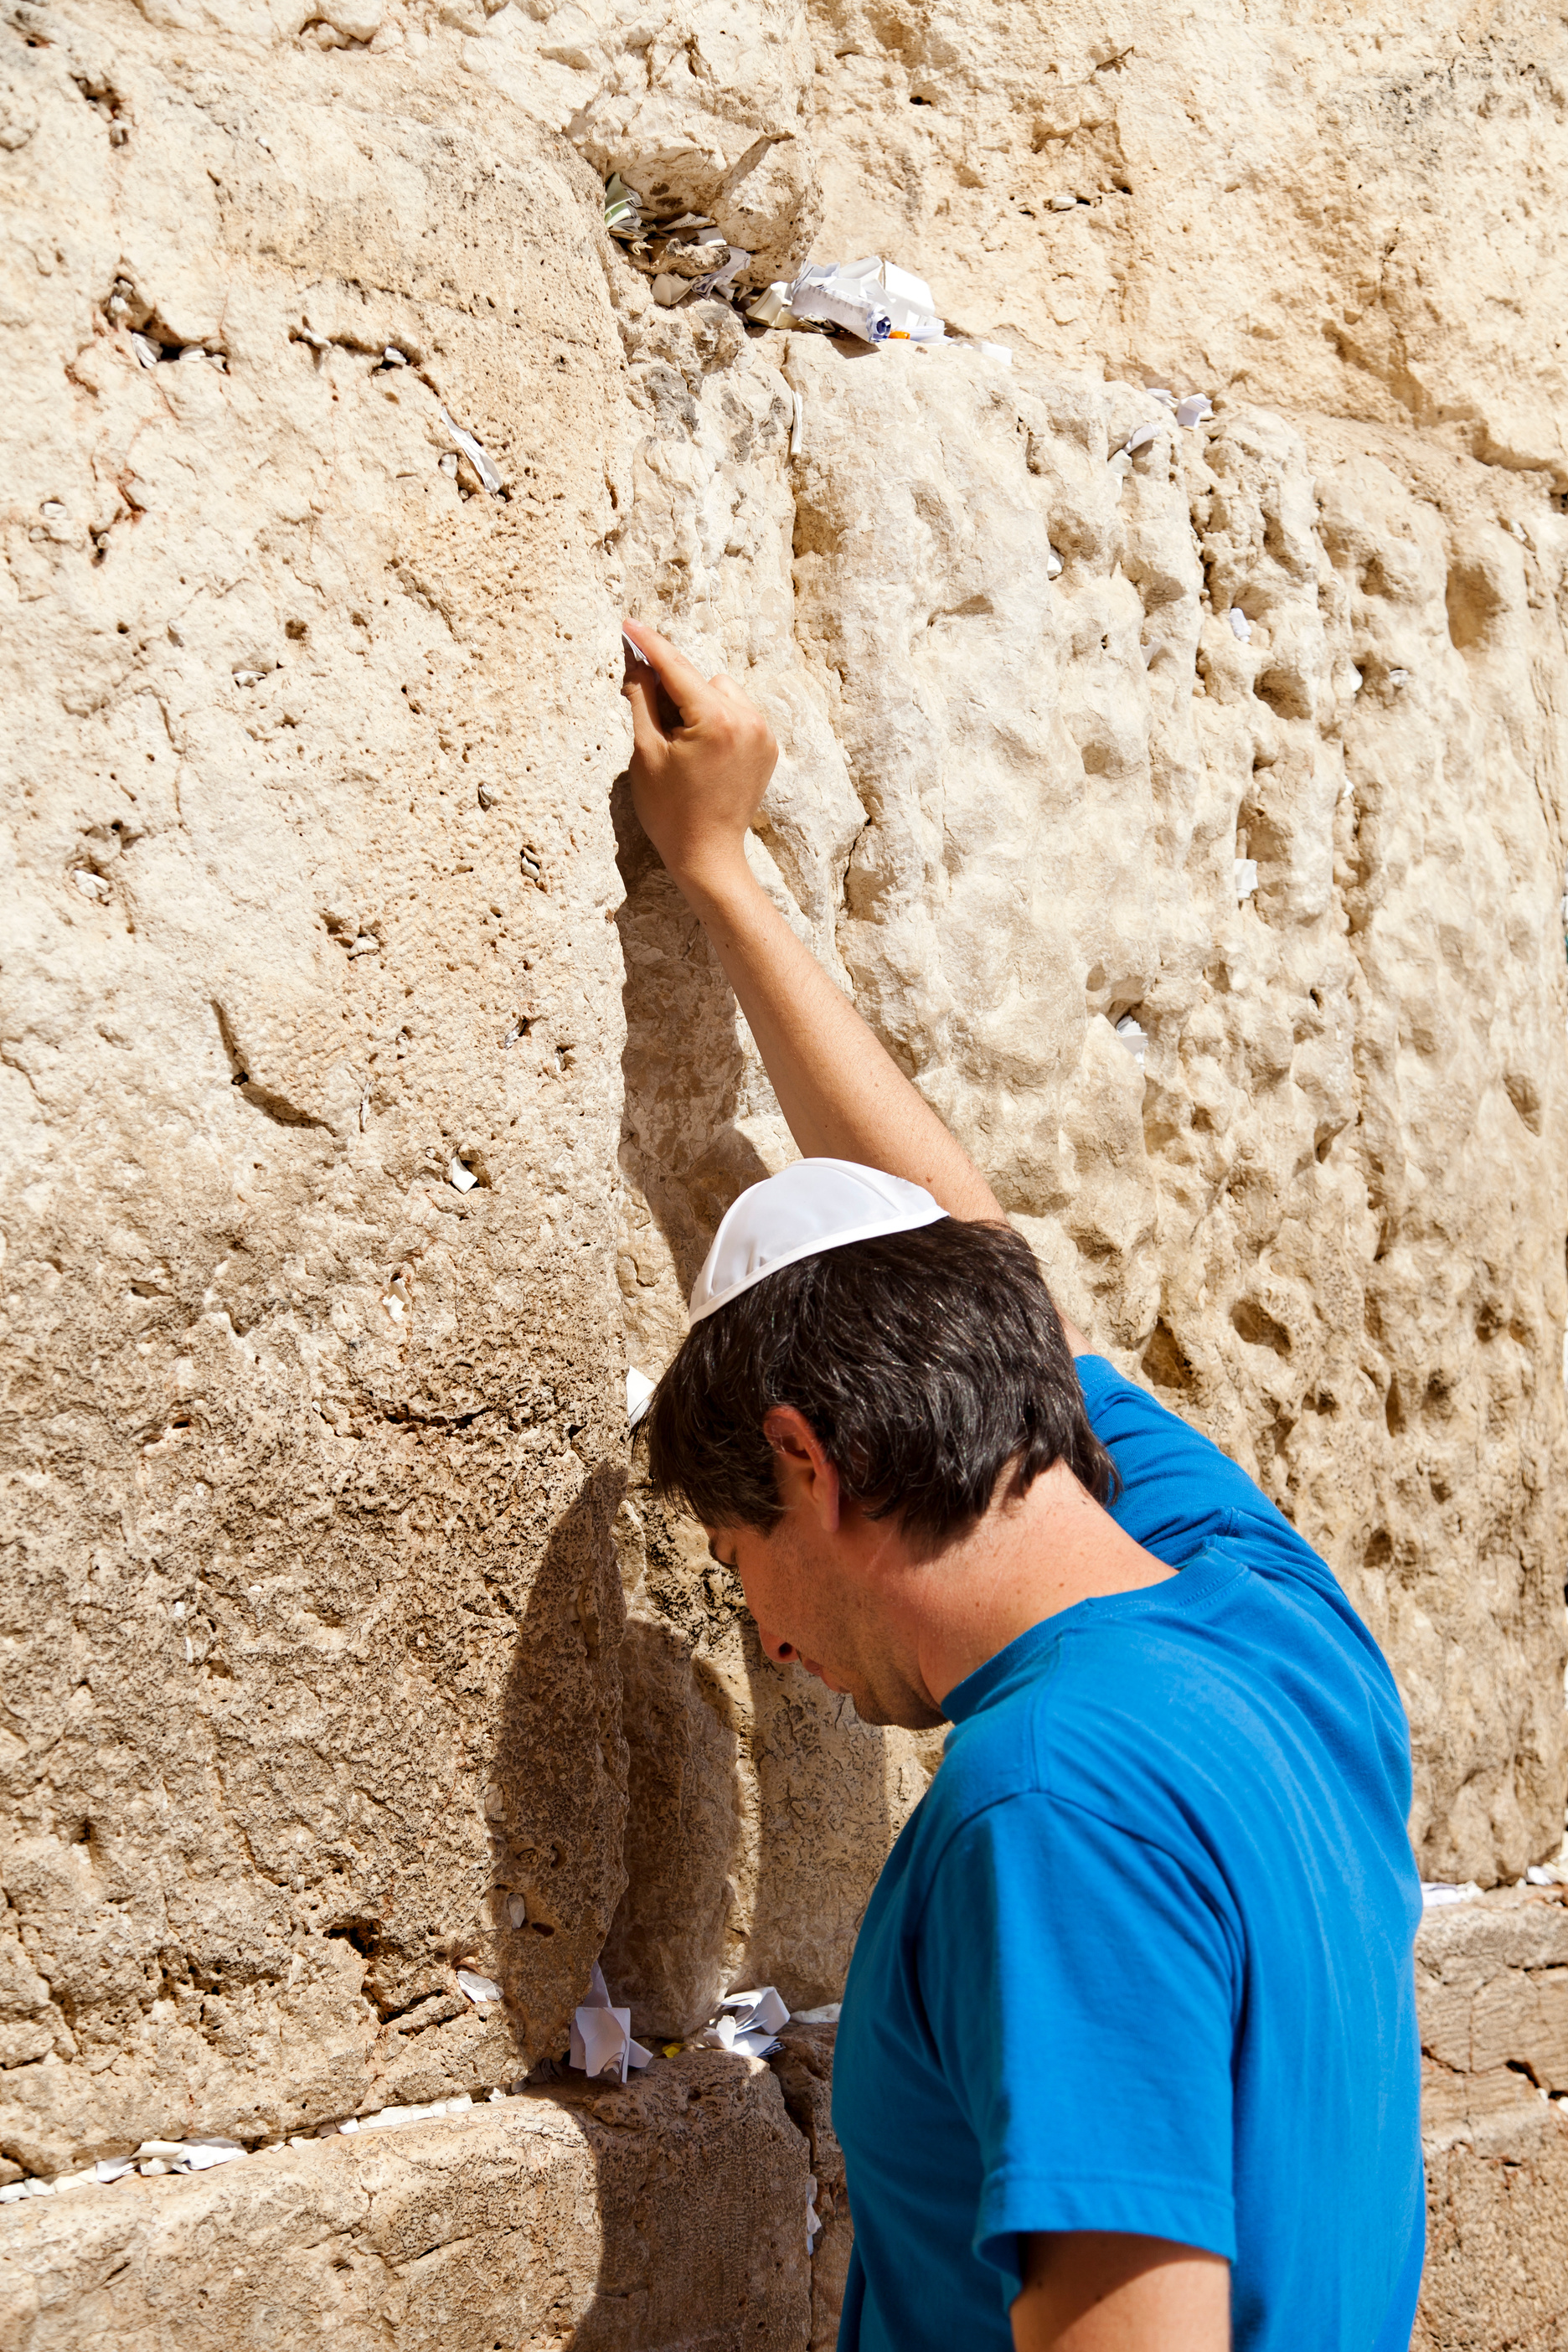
843 1094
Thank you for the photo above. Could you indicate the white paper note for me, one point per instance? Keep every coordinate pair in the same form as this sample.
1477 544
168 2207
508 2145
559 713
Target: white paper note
475 456
478 1988
748 2022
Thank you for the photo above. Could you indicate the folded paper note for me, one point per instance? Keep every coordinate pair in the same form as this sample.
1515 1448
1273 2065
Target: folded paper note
771 308
602 2035
720 280
752 2029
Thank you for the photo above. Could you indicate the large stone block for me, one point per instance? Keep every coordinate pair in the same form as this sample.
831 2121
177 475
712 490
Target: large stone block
1363 226
1230 773
313 1406
1489 1978
668 2217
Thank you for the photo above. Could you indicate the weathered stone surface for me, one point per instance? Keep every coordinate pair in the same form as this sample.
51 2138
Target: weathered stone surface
1492 1982
1489 1979
311 1609
662 2218
1323 1216
1363 221
308 873
804 2070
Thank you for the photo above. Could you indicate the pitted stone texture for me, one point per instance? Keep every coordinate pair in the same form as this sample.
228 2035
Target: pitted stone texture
702 109
656 2219
310 1606
1101 186
1492 1985
1324 1214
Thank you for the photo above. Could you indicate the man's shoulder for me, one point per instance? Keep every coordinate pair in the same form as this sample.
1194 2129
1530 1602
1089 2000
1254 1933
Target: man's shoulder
1067 1698
1157 1716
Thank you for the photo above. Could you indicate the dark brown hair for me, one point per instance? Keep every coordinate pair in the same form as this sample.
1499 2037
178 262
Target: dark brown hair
926 1363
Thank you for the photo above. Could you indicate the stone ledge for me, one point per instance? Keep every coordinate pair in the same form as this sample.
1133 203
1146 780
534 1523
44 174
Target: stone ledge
666 2217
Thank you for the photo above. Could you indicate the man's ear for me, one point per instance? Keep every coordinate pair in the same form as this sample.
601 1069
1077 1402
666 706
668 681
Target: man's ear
806 1478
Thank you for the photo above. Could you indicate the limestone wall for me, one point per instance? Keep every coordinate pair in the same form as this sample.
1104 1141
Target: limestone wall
311 1611
369 1097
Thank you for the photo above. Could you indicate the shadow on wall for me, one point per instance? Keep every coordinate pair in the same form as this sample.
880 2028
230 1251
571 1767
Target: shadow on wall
684 1813
556 1803
823 1825
687 2226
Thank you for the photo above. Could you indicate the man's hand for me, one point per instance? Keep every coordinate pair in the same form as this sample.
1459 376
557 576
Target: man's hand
1099 2291
702 765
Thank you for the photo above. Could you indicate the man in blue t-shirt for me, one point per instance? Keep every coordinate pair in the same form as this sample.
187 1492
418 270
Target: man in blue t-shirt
1128 2060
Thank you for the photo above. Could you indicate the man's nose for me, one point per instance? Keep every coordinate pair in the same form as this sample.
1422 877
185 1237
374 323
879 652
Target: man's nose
781 1653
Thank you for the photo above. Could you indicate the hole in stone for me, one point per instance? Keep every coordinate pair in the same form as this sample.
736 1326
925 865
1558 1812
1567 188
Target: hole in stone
361 1933
1259 1327
1473 604
1165 1360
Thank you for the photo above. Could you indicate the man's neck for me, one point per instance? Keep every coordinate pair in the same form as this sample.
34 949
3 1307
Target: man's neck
1029 1558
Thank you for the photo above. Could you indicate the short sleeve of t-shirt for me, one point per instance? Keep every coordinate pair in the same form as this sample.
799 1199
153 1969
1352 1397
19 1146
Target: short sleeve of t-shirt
1178 1490
1081 1991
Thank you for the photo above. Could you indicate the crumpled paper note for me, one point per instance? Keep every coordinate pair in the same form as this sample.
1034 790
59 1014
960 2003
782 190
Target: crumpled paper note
872 298
752 2028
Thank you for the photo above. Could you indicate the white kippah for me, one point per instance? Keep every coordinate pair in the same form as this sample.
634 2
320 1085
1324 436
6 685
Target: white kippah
810 1206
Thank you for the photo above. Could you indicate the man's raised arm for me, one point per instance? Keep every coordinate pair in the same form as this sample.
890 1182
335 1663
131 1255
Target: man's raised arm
702 765
702 761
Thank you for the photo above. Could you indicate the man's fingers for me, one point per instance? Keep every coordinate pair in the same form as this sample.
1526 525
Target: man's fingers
682 680
648 734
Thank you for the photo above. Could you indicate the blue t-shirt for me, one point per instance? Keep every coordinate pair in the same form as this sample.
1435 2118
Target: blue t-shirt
1141 1958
